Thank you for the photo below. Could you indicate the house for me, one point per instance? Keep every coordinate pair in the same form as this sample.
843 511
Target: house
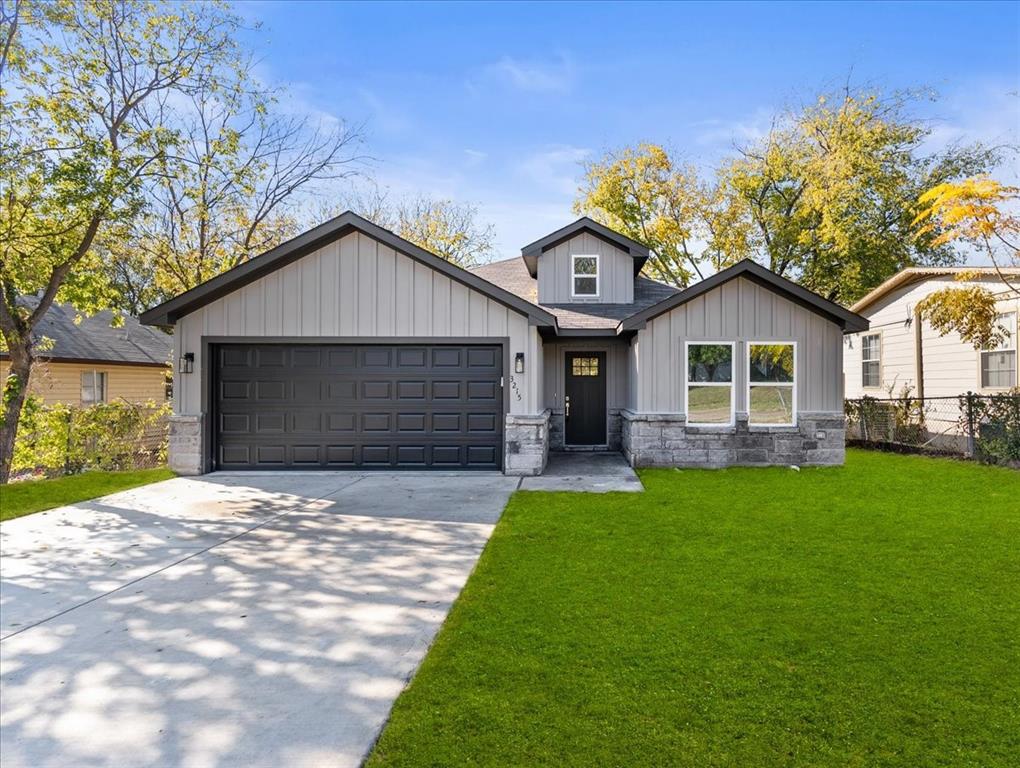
899 354
89 361
349 347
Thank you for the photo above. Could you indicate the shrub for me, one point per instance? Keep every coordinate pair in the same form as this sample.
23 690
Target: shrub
65 439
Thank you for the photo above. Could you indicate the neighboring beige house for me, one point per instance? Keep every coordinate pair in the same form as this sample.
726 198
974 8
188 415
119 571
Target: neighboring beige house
90 361
351 348
898 352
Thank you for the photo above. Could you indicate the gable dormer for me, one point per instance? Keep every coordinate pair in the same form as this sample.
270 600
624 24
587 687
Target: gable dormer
585 263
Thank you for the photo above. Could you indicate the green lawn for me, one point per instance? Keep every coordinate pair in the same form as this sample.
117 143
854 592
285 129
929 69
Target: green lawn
859 616
30 496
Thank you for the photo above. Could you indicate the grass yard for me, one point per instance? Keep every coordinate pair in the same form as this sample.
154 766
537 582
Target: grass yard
18 499
857 616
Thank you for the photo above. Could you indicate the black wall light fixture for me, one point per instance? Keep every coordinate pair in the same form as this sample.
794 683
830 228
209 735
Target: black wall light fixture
519 362
187 364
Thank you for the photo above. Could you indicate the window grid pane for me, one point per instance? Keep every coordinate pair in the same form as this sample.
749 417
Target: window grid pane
585 286
998 369
771 404
772 363
584 366
709 404
710 363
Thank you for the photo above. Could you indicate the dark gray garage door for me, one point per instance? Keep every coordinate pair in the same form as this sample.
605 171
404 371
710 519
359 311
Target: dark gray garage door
358 406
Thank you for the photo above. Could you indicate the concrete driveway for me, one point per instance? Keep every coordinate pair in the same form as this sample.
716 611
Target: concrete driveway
229 620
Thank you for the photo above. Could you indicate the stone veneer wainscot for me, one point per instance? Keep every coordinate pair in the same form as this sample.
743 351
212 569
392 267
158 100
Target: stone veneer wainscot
665 440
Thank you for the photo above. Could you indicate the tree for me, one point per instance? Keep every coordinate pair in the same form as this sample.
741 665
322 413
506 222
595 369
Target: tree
75 154
229 191
448 229
444 227
977 211
829 197
642 193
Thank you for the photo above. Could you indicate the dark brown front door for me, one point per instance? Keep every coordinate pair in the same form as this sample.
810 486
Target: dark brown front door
585 398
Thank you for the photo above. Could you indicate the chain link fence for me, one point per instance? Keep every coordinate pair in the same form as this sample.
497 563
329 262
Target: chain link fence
982 427
60 439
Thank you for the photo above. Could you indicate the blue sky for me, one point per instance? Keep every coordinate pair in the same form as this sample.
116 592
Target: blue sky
497 104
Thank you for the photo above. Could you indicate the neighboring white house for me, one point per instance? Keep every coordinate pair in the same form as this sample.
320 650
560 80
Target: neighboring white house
897 352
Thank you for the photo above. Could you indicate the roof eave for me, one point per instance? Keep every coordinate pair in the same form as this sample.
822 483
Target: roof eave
849 321
532 251
171 311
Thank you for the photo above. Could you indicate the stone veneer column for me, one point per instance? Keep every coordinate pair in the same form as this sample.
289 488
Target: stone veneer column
665 440
526 440
185 450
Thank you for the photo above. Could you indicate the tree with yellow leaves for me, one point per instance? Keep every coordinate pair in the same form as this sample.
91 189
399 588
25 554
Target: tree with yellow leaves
976 211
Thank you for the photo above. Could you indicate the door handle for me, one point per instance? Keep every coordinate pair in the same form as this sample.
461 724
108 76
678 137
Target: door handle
566 407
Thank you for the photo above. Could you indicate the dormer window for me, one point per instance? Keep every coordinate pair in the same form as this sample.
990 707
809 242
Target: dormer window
585 275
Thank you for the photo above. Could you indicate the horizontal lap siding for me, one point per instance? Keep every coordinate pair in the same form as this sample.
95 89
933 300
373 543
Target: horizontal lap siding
740 311
950 364
61 382
358 287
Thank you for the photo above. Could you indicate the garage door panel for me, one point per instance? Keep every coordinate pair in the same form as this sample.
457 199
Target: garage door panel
350 406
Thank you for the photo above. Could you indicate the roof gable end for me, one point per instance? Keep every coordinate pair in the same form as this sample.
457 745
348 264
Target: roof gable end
532 251
248 272
849 321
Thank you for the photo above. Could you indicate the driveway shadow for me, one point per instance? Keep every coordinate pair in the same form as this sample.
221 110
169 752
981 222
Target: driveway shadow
278 645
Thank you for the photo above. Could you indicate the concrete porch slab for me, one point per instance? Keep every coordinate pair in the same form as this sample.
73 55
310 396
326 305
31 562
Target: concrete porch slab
586 473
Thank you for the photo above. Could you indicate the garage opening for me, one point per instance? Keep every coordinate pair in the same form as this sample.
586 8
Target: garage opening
357 406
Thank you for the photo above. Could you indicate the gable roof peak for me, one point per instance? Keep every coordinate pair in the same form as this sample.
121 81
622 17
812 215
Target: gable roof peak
531 252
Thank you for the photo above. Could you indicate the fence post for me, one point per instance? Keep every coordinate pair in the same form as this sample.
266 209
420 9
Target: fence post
67 443
970 424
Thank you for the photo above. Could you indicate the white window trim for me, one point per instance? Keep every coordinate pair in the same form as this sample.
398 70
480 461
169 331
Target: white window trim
573 274
732 383
1015 349
881 355
792 385
95 374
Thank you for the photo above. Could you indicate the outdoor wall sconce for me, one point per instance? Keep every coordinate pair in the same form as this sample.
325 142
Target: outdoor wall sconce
187 363
519 362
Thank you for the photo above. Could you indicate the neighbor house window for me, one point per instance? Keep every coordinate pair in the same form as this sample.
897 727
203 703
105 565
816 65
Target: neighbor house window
709 384
771 383
585 274
871 361
93 387
998 365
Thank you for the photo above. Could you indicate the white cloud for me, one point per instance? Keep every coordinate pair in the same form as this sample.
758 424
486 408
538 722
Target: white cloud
475 157
533 75
724 133
555 168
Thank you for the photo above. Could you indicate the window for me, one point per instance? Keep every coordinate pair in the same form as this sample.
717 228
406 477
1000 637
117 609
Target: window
709 400
93 387
771 383
998 365
585 274
871 361
584 366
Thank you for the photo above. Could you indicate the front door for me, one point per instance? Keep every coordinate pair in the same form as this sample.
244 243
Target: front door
584 403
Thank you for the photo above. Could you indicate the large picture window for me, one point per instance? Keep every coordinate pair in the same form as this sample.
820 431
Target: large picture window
771 383
709 394
871 361
585 275
998 365
93 387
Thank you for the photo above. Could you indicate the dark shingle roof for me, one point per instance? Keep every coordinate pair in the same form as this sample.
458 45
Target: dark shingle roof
512 275
94 338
